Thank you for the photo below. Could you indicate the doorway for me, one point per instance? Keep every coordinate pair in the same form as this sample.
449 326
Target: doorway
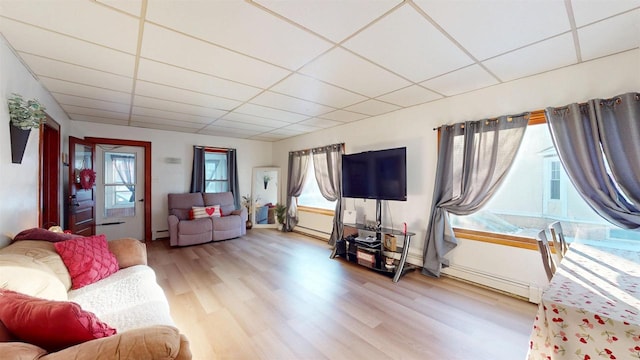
120 191
117 192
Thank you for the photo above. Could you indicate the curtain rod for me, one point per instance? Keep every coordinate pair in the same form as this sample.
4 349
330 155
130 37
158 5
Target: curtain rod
310 149
509 117
213 148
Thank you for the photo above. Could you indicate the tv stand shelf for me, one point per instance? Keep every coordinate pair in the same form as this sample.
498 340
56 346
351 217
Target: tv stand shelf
350 249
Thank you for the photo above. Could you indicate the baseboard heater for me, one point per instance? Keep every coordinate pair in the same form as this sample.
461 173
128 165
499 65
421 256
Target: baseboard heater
510 286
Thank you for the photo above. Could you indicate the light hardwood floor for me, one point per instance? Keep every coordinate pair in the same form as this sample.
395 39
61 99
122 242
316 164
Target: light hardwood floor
271 295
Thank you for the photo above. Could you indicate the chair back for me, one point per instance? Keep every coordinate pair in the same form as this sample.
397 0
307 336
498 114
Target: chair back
559 242
545 252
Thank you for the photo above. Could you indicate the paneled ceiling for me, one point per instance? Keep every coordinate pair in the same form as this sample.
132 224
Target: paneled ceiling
273 69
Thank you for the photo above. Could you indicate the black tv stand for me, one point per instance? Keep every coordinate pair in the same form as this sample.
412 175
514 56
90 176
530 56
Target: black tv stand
350 250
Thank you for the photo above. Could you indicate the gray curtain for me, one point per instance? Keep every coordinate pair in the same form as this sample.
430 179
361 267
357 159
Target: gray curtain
327 163
298 164
197 173
473 159
598 144
232 176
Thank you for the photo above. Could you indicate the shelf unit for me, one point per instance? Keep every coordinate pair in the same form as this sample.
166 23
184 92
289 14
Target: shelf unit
349 249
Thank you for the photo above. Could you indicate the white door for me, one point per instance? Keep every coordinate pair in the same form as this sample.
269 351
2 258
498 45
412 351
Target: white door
120 191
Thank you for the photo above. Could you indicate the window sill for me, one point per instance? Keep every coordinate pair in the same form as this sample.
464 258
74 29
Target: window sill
499 239
315 210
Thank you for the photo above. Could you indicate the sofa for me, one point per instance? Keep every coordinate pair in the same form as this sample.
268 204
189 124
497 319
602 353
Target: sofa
129 301
223 221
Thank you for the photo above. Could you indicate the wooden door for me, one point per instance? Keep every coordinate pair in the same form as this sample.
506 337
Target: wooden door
81 202
50 174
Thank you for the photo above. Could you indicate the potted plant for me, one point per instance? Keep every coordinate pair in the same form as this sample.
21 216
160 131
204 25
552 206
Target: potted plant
24 116
247 203
281 211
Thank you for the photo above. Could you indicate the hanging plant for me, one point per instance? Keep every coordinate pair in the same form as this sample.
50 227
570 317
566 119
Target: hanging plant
87 178
27 114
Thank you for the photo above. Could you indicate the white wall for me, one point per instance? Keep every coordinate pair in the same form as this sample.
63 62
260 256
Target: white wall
175 178
413 128
19 182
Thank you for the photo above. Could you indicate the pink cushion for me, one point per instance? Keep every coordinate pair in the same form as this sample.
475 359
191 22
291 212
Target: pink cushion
88 259
206 211
52 325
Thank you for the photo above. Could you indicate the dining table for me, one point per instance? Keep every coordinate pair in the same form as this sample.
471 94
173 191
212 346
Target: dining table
591 307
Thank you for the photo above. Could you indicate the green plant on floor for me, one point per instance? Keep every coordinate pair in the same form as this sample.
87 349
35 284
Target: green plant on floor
281 210
27 114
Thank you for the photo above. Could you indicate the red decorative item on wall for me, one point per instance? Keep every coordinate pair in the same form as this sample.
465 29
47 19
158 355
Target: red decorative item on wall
87 178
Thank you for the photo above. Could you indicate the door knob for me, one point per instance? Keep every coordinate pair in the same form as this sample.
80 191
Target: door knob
141 200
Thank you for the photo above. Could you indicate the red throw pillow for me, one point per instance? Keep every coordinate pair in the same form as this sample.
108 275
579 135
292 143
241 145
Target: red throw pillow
88 259
43 234
52 325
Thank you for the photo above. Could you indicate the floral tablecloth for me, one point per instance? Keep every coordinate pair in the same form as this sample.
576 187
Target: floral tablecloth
591 308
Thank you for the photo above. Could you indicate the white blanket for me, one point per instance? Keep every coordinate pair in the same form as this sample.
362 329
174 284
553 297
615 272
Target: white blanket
131 298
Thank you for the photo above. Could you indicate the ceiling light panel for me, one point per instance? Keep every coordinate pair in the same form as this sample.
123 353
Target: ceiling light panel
183 51
490 28
351 72
335 20
158 91
238 25
81 19
406 43
64 48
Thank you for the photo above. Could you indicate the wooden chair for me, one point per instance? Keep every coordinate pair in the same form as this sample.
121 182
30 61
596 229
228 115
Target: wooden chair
557 236
545 251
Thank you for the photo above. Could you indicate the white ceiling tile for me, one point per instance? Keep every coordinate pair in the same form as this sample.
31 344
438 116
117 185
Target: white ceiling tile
29 39
410 96
490 28
460 81
81 19
311 89
334 20
286 132
610 36
241 125
97 119
74 73
250 119
406 43
170 122
90 103
588 11
184 96
170 115
225 131
304 127
344 69
343 116
183 51
534 59
268 137
238 25
321 123
156 126
78 110
68 88
132 7
288 103
147 102
373 107
177 77
271 113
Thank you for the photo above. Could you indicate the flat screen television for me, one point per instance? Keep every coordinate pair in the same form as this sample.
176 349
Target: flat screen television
380 174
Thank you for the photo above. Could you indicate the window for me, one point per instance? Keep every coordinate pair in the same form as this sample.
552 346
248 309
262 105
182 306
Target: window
215 171
311 196
537 192
119 184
